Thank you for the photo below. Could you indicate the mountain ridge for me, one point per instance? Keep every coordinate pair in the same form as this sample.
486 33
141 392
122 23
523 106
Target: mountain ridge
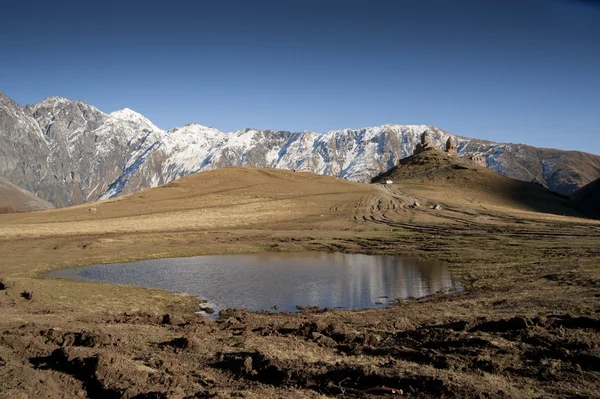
69 152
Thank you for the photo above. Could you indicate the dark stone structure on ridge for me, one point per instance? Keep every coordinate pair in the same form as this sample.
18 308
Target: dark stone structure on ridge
424 145
479 160
451 149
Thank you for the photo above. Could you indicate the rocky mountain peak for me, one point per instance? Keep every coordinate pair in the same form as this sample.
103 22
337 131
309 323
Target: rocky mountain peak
54 100
7 102
196 128
130 115
49 103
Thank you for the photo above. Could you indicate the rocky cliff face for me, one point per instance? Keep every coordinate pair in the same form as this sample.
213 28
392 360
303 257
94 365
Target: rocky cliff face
70 152
24 151
64 151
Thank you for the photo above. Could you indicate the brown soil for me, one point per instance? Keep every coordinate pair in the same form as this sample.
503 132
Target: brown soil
527 324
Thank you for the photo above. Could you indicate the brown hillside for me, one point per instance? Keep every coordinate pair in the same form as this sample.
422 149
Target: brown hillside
588 198
460 180
530 291
222 198
16 199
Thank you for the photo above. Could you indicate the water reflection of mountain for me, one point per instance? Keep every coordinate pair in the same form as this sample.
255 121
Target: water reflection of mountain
259 281
366 278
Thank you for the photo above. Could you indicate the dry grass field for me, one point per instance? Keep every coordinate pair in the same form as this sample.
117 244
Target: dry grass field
527 324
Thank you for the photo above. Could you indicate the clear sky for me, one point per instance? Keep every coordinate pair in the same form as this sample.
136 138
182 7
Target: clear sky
524 71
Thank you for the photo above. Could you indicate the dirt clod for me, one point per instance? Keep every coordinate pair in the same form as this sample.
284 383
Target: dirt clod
27 295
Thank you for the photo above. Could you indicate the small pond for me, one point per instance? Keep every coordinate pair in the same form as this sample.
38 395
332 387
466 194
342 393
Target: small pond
281 281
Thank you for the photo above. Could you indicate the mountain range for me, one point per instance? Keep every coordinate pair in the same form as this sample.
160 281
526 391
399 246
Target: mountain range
69 152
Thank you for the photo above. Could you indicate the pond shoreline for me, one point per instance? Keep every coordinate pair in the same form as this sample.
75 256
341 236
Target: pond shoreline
334 280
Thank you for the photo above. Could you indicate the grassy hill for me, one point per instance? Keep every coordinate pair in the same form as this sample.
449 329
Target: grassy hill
444 178
235 197
229 197
588 198
16 199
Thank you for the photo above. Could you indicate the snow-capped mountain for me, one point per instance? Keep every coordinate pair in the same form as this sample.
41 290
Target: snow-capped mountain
69 152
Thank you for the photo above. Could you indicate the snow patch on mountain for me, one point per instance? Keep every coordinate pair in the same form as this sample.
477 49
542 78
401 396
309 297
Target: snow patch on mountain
129 115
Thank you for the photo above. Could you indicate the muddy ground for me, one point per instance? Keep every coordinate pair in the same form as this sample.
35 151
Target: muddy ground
527 324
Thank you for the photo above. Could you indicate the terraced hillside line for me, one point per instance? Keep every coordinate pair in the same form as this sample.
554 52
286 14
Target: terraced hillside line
374 207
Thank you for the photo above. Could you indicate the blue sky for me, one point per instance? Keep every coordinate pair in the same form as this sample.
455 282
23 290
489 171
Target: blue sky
524 71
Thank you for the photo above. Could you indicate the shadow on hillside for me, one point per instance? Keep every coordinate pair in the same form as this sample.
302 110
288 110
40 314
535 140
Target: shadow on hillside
588 198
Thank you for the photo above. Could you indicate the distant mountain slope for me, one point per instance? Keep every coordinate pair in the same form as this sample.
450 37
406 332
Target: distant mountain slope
69 152
453 176
13 198
588 197
560 171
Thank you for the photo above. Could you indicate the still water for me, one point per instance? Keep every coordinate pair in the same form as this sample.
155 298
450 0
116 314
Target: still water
281 280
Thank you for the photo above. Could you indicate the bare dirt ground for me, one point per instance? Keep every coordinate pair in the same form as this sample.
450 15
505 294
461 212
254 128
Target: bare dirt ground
527 324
